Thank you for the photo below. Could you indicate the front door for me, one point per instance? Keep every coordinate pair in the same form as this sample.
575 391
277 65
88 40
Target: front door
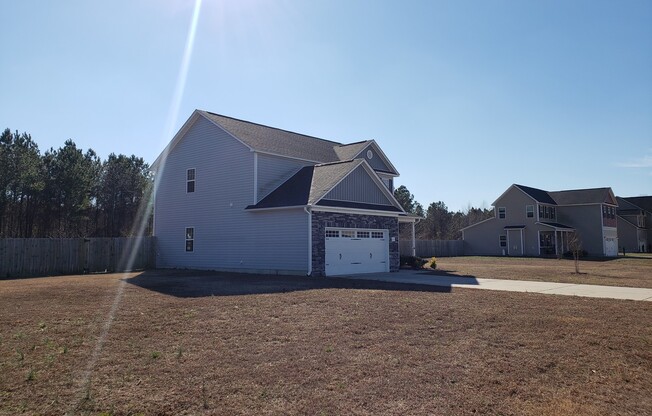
515 242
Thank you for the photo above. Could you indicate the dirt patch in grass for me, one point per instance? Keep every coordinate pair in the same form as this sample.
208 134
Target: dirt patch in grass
292 346
622 271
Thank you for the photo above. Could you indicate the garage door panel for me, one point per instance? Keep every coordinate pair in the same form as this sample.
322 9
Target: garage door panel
346 253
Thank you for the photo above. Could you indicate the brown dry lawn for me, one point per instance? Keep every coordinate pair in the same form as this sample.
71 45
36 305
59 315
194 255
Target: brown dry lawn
630 271
206 343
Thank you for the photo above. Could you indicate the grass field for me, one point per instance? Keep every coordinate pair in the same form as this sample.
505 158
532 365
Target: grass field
631 271
206 343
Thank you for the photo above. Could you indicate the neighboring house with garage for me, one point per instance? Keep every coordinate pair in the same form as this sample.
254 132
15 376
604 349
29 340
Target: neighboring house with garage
234 195
534 222
635 224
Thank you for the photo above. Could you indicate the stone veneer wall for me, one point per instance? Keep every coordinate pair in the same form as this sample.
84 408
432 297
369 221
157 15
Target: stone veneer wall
321 220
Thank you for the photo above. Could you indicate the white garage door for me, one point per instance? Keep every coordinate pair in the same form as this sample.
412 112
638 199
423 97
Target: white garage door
353 251
610 247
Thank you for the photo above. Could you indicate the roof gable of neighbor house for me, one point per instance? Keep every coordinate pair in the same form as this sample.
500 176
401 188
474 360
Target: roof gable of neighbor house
312 184
538 195
584 196
626 207
644 202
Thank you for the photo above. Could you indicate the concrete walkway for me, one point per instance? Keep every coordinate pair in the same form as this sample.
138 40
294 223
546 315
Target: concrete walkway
569 289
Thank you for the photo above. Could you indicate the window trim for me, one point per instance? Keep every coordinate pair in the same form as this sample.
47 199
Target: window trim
191 240
529 211
193 180
504 213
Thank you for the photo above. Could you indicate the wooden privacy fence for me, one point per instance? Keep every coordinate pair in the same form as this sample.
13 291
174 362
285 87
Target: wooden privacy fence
49 256
433 248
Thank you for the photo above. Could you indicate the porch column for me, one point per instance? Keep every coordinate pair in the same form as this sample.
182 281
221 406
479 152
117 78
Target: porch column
414 243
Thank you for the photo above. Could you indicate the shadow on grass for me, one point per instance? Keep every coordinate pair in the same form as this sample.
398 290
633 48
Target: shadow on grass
194 283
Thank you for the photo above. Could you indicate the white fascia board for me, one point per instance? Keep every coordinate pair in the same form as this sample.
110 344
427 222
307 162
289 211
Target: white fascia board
176 139
373 143
203 113
585 204
277 208
357 211
409 220
182 132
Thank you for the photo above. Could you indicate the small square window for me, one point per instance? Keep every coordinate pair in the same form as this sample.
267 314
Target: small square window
377 234
363 234
332 234
502 212
348 234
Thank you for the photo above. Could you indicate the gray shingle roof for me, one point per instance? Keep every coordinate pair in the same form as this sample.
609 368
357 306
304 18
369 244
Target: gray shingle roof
581 196
644 202
538 195
311 183
349 151
308 185
277 141
556 225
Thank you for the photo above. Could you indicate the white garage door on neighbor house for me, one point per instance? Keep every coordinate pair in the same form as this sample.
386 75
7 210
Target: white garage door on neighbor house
352 251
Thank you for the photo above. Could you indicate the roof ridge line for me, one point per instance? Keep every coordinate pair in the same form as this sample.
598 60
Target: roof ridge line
275 128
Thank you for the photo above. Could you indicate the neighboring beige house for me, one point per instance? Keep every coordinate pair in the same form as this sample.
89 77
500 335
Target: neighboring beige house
635 224
534 222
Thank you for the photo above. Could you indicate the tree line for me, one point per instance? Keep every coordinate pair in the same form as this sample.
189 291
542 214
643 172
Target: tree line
67 192
438 222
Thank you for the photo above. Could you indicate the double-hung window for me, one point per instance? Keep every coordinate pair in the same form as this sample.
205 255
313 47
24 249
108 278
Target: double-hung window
502 213
529 211
190 239
502 240
190 180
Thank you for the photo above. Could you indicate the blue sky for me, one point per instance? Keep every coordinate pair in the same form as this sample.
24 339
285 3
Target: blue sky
465 97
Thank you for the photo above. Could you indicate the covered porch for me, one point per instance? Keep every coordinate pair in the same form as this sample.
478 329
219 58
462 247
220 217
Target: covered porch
408 222
554 239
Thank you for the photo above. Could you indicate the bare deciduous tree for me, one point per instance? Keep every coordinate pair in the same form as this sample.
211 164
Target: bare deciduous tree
575 246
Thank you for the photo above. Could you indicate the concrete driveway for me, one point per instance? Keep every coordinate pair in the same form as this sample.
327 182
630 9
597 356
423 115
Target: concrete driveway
551 288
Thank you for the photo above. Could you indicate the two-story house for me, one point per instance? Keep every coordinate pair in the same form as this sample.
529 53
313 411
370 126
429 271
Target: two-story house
534 222
635 224
233 195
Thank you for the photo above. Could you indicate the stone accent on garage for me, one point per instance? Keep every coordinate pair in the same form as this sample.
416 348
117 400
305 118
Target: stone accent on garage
321 220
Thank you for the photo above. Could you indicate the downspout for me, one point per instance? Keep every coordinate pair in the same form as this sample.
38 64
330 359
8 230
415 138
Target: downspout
307 210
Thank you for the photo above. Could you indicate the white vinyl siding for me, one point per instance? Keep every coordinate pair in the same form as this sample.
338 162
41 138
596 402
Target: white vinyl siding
230 238
190 180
